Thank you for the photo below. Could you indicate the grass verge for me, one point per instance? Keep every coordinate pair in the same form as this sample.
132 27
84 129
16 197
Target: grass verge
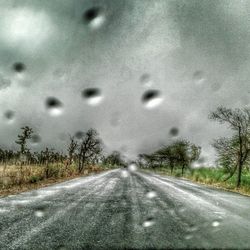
212 177
16 179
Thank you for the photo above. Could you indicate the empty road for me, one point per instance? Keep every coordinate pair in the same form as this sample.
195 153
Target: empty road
121 209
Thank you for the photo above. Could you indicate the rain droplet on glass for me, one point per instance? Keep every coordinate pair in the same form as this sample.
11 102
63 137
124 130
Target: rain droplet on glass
94 17
151 98
148 223
132 167
79 135
19 67
198 77
35 139
54 106
215 223
151 195
92 96
9 115
174 131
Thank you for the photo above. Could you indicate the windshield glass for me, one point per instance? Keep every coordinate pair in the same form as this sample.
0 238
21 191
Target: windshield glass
124 124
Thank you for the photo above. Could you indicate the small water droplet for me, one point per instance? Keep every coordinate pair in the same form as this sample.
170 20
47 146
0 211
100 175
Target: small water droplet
79 134
188 237
19 67
94 17
192 228
216 86
92 95
124 174
4 82
35 139
54 106
40 211
174 131
151 194
151 98
198 77
115 119
132 167
9 115
145 80
148 223
215 223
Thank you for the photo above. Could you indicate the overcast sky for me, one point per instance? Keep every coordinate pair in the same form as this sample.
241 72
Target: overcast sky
194 54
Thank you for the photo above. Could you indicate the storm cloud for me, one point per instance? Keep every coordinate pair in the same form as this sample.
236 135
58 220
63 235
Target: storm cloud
193 54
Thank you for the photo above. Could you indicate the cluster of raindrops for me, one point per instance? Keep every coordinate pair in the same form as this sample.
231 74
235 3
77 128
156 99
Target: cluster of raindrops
94 17
92 96
54 106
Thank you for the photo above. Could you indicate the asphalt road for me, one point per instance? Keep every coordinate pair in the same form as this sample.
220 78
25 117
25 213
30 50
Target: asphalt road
121 209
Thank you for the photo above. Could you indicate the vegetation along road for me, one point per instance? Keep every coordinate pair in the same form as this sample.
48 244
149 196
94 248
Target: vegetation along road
122 208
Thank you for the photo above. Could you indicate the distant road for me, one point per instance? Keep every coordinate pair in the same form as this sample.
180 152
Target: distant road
121 209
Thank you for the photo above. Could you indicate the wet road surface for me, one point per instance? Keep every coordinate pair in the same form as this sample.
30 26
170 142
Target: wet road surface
120 209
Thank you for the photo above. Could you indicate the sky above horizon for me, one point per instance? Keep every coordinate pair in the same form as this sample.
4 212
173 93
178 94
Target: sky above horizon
133 70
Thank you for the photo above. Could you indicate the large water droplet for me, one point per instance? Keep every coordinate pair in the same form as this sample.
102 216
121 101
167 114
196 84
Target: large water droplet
151 98
54 106
92 95
19 67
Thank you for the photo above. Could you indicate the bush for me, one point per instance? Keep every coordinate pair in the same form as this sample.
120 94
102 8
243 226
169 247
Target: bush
35 178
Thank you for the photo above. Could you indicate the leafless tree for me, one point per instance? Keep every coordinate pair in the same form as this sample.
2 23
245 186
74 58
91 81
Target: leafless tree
238 147
88 149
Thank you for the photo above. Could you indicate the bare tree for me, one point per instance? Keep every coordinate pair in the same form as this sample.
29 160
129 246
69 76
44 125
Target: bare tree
239 121
71 151
22 138
89 149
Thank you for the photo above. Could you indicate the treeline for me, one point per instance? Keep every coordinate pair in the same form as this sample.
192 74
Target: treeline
233 153
83 152
178 155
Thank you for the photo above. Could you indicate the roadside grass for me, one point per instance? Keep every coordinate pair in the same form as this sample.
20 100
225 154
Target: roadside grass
211 176
15 179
